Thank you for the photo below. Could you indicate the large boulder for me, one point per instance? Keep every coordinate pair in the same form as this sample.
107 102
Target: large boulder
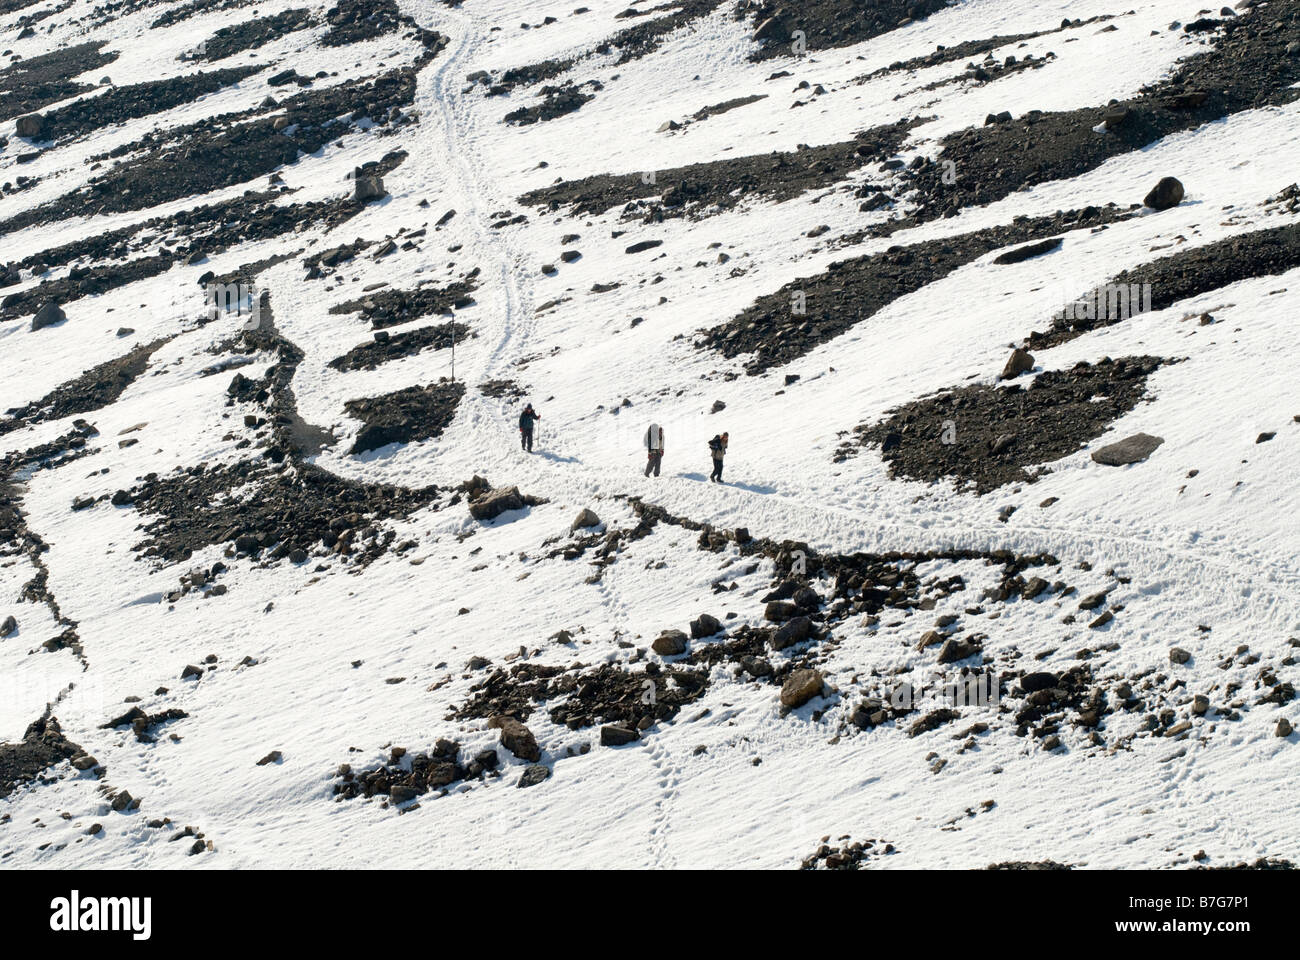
517 738
670 643
705 625
31 126
492 505
791 632
1132 449
48 316
800 687
369 188
616 735
1020 361
779 611
1165 194
586 518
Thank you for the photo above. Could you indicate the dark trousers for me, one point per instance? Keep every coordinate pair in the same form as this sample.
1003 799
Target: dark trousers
526 440
717 469
652 462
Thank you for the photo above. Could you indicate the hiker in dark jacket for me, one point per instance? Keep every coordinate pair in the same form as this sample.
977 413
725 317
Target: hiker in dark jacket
526 421
654 445
718 446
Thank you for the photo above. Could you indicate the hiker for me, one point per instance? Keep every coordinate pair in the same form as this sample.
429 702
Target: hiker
654 444
719 447
526 421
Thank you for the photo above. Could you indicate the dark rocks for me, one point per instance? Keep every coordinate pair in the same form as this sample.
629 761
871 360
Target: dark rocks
800 687
1020 254
615 735
43 745
9 627
932 721
587 518
1166 194
851 291
1033 587
954 649
368 188
670 643
792 632
705 626
987 436
1020 361
1283 728
1179 655
781 610
1033 682
533 775
405 416
1132 449
517 738
385 348
192 672
401 793
31 126
48 315
643 245
275 756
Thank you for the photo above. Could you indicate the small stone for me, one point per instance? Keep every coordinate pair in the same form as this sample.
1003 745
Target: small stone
533 775
670 643
615 735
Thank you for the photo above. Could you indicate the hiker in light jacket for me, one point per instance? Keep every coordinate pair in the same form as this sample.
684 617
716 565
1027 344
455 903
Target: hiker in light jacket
654 445
718 446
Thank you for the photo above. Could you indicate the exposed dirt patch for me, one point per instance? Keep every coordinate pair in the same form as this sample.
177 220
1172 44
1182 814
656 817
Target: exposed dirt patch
1189 273
583 697
557 101
230 149
406 776
261 512
388 308
851 291
185 11
30 84
82 282
43 745
1246 67
702 189
252 34
416 413
385 348
93 390
353 21
827 23
996 433
845 855
122 104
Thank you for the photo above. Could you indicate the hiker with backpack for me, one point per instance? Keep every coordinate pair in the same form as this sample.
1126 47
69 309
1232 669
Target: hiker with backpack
718 446
526 421
654 444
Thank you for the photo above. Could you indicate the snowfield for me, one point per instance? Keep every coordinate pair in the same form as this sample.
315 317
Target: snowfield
347 652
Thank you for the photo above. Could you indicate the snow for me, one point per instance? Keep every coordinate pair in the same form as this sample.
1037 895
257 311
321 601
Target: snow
1219 548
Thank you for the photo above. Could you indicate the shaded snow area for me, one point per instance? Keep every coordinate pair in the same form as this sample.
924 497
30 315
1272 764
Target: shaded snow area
1003 567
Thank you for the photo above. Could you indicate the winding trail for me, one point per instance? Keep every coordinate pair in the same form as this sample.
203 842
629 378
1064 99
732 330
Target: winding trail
450 133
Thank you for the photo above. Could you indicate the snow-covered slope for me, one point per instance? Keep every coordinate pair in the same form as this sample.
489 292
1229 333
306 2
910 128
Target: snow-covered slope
810 266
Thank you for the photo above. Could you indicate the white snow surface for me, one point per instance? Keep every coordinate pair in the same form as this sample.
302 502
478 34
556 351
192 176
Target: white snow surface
1217 549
